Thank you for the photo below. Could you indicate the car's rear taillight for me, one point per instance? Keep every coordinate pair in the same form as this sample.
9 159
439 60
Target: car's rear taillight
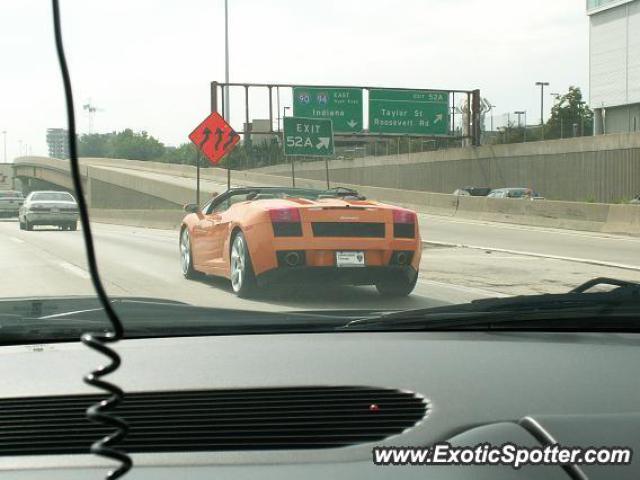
286 214
286 222
404 224
404 216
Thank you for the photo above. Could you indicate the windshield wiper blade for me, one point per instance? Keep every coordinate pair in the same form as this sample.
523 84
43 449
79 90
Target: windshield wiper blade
580 295
57 319
621 302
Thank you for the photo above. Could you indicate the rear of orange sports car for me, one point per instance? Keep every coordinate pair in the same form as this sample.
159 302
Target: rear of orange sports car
355 242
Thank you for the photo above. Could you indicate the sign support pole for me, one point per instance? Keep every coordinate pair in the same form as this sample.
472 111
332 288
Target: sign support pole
293 171
198 178
326 166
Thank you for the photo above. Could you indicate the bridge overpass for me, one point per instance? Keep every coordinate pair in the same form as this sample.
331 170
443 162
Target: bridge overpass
114 183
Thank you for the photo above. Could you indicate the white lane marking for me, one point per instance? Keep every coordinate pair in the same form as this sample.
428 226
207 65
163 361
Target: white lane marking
70 267
435 255
587 261
442 219
462 288
17 240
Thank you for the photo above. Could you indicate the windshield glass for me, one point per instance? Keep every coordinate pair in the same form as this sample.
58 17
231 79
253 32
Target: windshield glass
348 156
62 197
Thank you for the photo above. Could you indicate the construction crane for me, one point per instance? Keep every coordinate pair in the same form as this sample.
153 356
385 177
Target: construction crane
91 111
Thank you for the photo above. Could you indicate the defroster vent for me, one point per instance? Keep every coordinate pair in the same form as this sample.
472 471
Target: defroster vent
213 420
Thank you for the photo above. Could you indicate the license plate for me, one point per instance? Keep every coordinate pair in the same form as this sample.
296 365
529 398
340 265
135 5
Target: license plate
55 210
350 259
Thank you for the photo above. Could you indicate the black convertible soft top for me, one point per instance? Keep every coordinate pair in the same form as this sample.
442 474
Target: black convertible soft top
309 193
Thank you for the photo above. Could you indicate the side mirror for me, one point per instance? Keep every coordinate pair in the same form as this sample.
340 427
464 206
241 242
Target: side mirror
191 208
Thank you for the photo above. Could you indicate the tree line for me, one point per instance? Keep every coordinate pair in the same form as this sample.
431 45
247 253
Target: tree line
570 116
132 145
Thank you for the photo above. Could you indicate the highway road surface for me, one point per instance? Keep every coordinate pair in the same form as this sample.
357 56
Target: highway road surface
504 260
589 247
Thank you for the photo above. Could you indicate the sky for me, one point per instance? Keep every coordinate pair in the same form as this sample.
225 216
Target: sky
147 64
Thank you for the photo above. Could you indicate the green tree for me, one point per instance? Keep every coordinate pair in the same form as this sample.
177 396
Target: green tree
184 154
136 146
94 145
125 144
570 116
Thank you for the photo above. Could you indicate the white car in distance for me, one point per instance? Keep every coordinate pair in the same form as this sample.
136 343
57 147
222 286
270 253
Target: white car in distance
49 208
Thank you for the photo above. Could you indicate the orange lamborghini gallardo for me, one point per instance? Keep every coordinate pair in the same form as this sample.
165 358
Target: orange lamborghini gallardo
271 235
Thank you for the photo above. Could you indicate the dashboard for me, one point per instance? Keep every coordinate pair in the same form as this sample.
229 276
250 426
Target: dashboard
497 387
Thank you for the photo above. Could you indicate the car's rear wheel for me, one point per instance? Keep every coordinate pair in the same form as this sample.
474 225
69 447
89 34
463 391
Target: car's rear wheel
400 287
186 257
27 225
243 280
73 226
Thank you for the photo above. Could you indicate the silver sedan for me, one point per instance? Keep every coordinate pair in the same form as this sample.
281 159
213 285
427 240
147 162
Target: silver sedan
49 208
10 202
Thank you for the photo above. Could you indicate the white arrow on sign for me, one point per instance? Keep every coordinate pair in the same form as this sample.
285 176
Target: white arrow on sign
352 123
324 142
439 118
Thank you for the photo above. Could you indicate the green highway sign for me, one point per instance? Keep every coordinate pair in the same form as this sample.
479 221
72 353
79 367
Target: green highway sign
311 137
409 112
341 105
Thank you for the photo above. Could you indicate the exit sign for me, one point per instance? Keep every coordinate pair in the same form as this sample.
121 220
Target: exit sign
409 112
343 106
308 137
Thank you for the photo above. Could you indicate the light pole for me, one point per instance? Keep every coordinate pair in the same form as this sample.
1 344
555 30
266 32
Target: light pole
293 168
556 97
227 113
542 85
519 113
491 107
278 106
4 134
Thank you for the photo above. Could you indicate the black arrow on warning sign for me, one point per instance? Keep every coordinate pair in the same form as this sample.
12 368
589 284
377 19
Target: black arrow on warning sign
219 133
206 132
232 134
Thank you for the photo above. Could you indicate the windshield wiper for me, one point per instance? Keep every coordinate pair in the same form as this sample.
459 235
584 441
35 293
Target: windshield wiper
579 309
67 318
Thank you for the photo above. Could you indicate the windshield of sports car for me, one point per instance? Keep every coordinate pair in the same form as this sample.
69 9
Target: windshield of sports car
344 157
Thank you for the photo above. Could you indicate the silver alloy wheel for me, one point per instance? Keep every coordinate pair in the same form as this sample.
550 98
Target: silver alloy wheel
237 263
185 252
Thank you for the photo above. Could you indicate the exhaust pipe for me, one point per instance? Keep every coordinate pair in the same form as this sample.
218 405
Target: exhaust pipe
401 258
292 259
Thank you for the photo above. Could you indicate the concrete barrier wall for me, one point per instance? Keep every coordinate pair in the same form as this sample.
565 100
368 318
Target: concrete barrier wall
604 168
167 212
623 219
163 219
